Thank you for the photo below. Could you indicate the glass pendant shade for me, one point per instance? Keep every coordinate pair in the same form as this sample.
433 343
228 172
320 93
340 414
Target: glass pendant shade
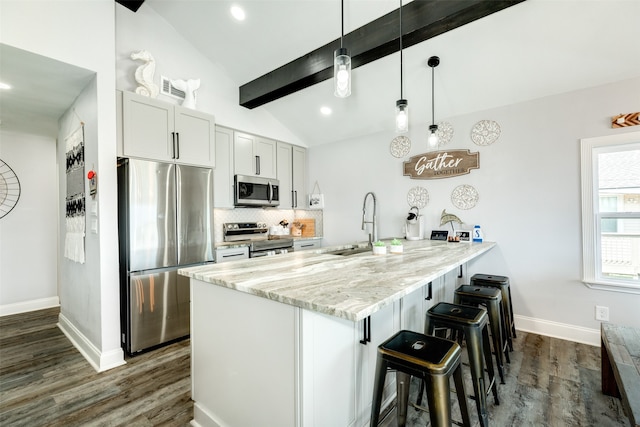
342 73
402 116
433 136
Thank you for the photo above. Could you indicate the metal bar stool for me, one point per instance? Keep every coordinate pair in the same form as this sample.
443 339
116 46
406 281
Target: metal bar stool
432 359
501 282
491 298
472 324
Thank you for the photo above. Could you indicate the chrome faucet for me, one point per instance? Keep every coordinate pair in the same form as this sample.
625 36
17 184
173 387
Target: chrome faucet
373 237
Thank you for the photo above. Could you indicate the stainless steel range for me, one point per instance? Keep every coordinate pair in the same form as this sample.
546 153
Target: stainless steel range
257 235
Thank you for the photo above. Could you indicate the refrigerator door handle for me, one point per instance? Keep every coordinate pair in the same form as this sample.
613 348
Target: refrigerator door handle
173 145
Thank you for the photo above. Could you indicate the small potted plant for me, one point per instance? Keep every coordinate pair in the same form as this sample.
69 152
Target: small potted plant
379 248
396 246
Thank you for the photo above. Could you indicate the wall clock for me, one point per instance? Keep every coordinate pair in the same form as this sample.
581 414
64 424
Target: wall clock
9 189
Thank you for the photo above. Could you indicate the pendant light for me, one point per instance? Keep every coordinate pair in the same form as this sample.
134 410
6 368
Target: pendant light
433 62
342 67
402 105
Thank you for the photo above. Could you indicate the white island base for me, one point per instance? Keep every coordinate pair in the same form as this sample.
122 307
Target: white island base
258 362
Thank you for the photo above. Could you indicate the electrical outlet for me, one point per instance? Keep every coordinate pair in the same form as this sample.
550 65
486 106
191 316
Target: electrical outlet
602 313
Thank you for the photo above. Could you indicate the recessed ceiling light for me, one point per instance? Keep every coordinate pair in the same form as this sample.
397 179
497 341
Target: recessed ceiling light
325 110
4 86
238 13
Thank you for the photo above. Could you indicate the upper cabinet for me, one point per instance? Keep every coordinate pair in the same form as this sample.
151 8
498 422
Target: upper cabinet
254 155
292 169
299 179
285 175
223 173
157 130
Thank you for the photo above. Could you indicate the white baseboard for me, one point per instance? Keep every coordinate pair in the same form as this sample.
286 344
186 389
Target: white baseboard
558 330
100 361
202 417
26 306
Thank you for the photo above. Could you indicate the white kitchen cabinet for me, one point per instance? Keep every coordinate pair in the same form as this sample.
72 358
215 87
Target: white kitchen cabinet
254 155
285 174
157 130
223 173
231 254
414 307
329 361
444 287
299 176
338 369
384 323
306 244
292 170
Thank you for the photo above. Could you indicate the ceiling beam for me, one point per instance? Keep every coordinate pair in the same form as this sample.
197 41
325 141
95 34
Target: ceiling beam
132 5
421 20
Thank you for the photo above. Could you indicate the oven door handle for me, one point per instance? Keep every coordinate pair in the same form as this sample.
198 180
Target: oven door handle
258 254
270 192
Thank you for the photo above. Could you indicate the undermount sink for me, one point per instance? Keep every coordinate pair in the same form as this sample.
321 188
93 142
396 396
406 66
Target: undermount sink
349 251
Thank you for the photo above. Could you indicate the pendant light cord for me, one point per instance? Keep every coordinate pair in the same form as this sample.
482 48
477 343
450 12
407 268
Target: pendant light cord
401 85
342 19
433 96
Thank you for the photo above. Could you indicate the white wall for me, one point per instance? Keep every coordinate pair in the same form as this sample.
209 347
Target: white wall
177 59
28 234
82 286
82 33
529 200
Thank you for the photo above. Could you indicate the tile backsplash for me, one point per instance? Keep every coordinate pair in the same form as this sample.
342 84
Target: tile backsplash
267 215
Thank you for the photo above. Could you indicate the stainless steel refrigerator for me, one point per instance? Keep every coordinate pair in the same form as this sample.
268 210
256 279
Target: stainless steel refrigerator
165 221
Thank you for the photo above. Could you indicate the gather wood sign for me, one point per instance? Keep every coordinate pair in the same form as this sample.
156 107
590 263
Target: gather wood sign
441 164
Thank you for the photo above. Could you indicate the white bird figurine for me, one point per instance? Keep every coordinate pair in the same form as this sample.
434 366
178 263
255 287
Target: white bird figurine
144 74
189 88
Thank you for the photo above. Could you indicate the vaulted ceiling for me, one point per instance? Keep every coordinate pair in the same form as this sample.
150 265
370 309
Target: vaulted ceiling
529 50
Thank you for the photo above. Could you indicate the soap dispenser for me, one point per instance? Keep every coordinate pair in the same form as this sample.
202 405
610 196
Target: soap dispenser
477 234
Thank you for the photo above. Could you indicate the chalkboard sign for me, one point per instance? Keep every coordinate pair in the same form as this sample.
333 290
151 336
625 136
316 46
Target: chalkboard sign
439 235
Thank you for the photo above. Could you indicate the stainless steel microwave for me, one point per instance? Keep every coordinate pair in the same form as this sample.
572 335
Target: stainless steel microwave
256 191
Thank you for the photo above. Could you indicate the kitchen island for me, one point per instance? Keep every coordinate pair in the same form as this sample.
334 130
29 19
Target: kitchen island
291 340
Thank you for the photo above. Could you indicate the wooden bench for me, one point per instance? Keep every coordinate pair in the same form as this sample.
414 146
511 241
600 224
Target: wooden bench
621 367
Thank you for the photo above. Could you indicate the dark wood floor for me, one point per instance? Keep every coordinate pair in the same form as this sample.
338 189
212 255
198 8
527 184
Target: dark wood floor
44 381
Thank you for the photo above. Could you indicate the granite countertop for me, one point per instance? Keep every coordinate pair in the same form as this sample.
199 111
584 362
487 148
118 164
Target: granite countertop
350 287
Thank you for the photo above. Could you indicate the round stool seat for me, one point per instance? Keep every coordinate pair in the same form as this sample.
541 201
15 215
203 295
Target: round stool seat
459 314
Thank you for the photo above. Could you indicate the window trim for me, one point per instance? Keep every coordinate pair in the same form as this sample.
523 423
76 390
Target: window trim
590 220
